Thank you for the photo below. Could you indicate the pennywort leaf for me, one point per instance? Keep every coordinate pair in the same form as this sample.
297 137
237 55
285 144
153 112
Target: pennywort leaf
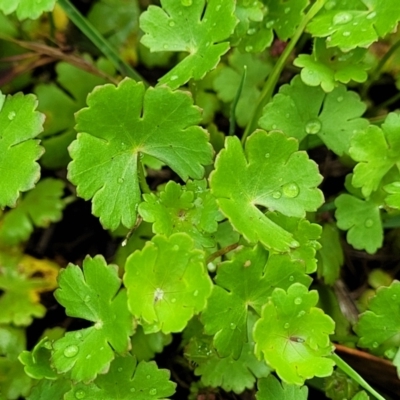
26 8
271 388
120 124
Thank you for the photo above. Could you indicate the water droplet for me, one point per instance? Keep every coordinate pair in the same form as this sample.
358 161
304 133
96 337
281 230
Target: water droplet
86 299
11 115
132 390
148 376
153 392
120 180
267 155
342 18
371 15
174 77
232 326
217 8
78 335
339 99
298 300
274 126
375 345
251 31
286 326
346 33
291 278
71 351
301 313
249 48
165 46
47 345
394 297
269 24
171 23
80 394
368 223
247 264
173 300
290 190
88 356
313 126
277 194
119 369
175 247
330 4
195 293
329 38
186 3
287 10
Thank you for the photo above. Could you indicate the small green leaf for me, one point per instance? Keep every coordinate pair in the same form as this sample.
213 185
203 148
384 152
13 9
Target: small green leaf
334 117
293 335
269 173
114 134
126 380
393 197
270 388
327 66
93 294
26 8
191 209
362 220
244 284
50 390
19 125
340 386
376 150
189 26
167 283
39 207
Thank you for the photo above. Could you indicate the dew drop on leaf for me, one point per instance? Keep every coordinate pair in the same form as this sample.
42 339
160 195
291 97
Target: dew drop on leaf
232 326
11 115
119 369
88 356
290 190
174 77
371 15
287 10
78 335
147 376
286 326
267 155
274 126
313 126
301 313
86 299
298 300
330 4
249 48
394 296
339 99
173 300
80 394
47 345
132 390
218 8
71 351
346 33
195 293
269 24
153 392
120 180
291 278
368 223
342 18
375 345
175 247
186 3
277 194
251 31
171 23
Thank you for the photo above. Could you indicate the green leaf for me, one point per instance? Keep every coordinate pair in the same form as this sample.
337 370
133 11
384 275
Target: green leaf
167 283
383 312
339 386
293 335
59 101
334 117
50 390
284 16
228 79
393 197
191 209
362 220
327 66
19 125
330 255
244 284
126 380
305 233
106 152
270 388
26 8
189 26
349 24
376 150
39 207
93 294
269 173
145 346
227 373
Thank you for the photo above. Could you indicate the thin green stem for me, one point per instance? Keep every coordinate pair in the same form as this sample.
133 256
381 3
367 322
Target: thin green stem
272 80
355 376
99 41
232 117
377 70
142 179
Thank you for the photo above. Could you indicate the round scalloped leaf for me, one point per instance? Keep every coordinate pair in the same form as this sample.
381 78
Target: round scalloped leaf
50 389
120 124
272 173
334 117
19 125
126 380
293 335
93 294
383 312
270 388
167 283
26 8
356 23
193 26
